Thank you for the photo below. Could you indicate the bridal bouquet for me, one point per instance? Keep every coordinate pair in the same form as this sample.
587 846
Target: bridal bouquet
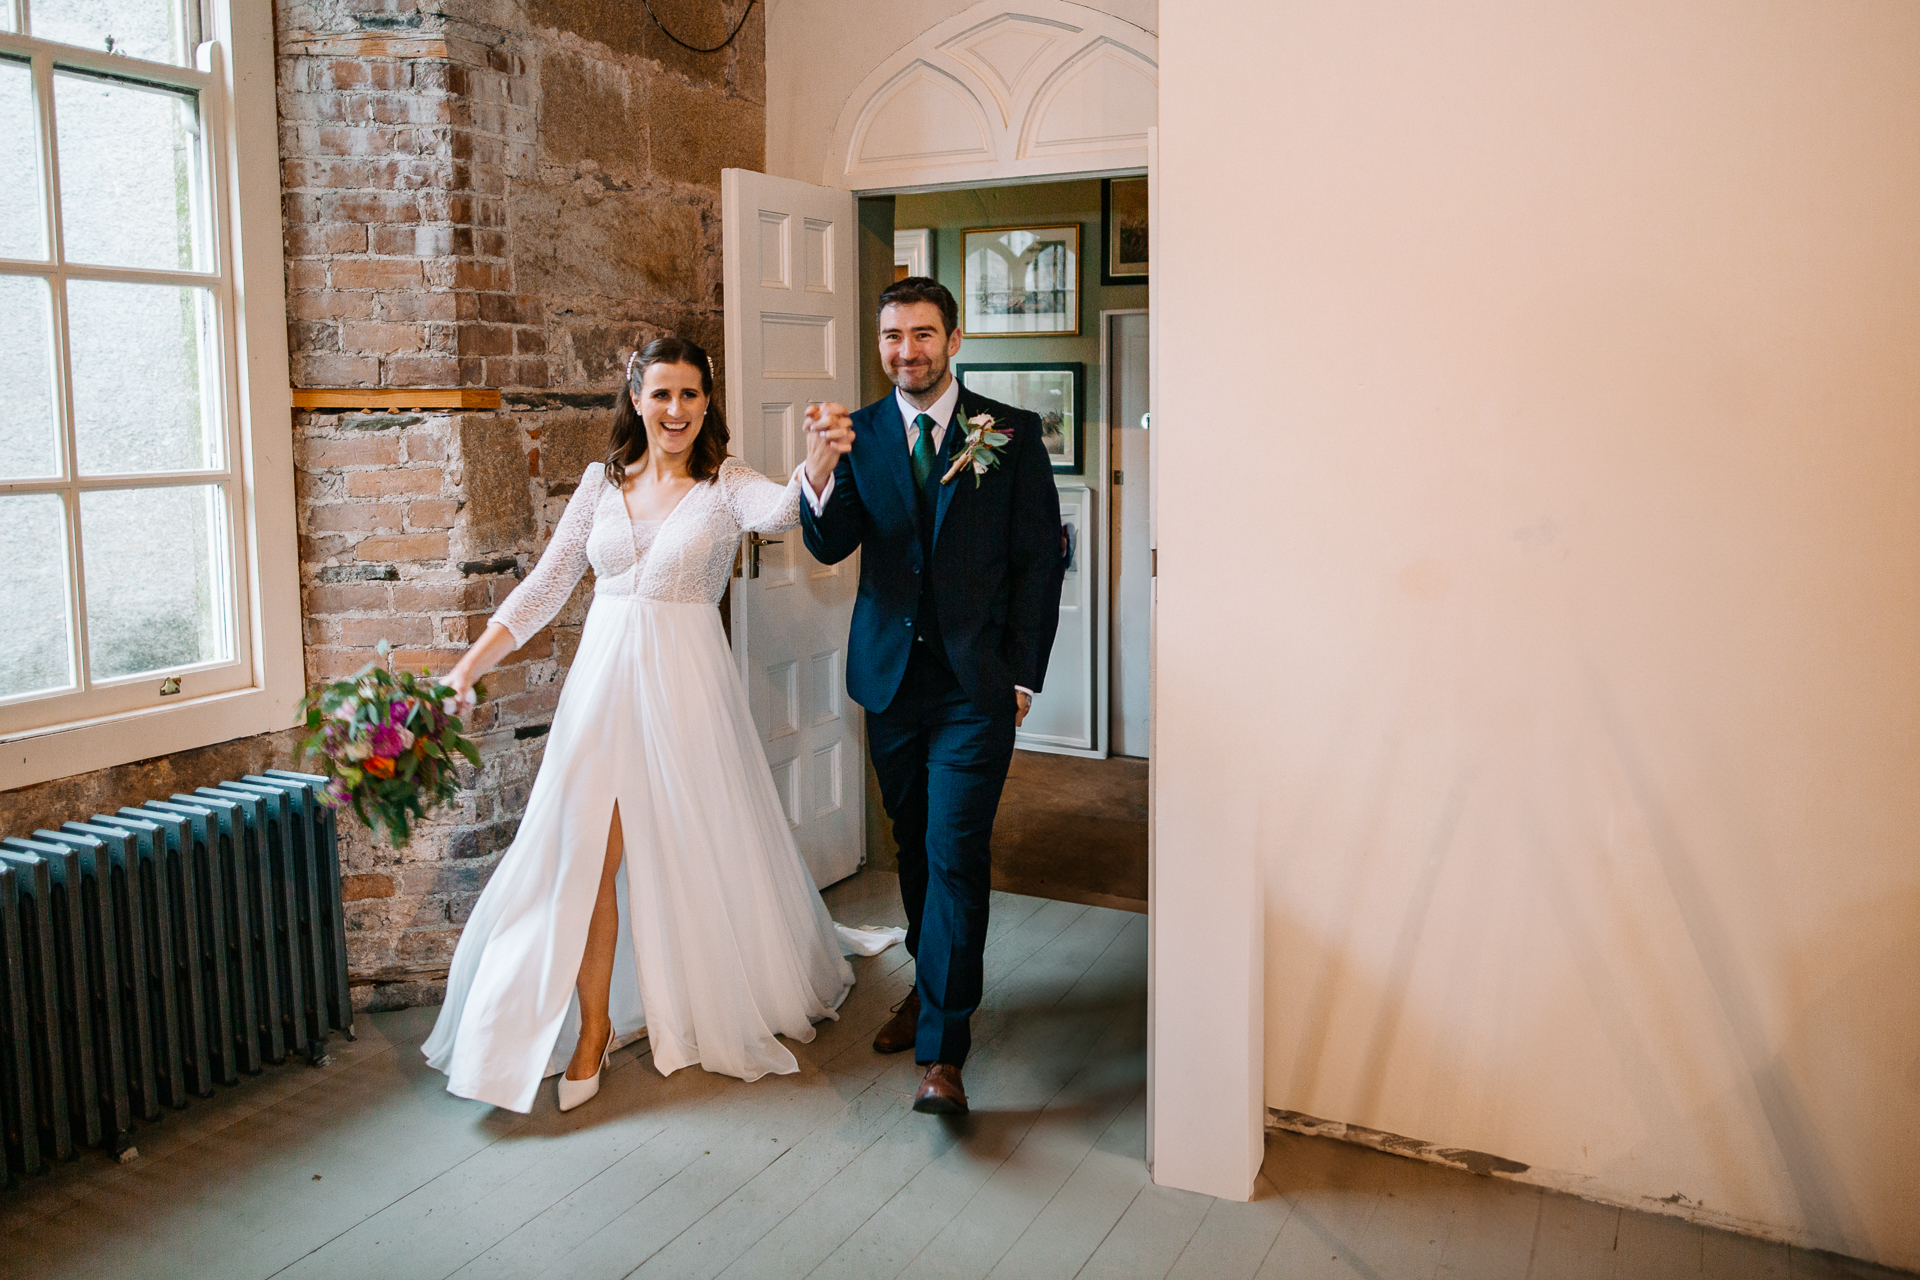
387 744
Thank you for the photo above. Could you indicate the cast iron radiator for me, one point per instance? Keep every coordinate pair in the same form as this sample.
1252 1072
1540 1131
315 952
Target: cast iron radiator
150 954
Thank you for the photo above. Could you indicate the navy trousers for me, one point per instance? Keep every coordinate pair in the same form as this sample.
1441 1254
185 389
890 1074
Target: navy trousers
942 762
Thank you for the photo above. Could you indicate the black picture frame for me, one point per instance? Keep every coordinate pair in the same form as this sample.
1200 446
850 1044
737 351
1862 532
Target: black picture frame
1071 458
1133 197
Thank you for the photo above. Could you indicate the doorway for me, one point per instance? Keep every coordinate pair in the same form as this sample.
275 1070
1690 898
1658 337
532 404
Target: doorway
1072 824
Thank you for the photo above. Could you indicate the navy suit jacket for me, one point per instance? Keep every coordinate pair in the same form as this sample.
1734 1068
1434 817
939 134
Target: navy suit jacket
997 564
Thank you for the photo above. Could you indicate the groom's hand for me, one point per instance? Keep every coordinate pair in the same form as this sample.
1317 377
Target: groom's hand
829 438
1022 703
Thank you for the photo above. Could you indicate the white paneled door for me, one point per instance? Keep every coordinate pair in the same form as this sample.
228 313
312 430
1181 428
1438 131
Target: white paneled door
792 334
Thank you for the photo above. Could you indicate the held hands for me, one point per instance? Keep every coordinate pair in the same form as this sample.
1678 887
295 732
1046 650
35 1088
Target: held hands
829 437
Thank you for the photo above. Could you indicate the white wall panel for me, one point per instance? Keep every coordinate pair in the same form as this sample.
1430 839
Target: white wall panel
1539 532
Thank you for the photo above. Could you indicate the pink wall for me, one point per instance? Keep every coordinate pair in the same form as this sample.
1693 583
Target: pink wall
1539 614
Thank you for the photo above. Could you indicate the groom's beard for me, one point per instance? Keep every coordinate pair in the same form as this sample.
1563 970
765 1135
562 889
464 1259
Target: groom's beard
918 379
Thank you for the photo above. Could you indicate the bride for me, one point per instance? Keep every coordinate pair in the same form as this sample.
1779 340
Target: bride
654 870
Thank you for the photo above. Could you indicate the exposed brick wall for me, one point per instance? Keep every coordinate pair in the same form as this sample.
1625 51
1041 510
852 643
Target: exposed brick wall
498 193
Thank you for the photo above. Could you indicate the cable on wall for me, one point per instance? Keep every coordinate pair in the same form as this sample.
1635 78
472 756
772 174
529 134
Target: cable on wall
745 14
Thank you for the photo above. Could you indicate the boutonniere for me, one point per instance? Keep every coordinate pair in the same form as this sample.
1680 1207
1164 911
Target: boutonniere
981 450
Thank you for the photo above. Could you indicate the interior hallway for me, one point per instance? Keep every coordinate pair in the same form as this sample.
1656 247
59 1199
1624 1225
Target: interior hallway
1074 830
367 1168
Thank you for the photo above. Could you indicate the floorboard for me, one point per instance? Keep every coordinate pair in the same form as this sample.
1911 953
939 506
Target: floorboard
367 1168
1151 1233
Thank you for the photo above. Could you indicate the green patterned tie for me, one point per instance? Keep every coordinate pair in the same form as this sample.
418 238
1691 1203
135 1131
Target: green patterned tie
923 451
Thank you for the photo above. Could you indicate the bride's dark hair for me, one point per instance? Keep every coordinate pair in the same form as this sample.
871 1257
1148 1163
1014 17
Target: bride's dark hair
629 442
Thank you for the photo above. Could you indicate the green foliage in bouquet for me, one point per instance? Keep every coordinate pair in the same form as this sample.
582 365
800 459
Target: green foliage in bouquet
387 744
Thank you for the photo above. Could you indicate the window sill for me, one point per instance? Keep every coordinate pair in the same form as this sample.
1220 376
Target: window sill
66 750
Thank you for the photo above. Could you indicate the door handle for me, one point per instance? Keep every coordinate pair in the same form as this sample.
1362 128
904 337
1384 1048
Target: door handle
754 543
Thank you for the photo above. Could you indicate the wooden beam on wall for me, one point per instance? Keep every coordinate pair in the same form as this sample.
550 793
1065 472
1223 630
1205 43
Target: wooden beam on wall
389 398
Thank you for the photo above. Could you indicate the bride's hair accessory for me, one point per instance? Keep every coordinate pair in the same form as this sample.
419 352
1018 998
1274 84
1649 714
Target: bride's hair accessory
981 450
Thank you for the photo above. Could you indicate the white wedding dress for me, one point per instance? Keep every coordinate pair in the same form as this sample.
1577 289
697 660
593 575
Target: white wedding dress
724 942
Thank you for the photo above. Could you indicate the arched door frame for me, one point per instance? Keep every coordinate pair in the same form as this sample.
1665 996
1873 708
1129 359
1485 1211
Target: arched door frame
997 95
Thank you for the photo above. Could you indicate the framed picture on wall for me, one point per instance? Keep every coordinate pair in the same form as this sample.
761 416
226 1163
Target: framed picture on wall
1054 390
1021 281
1123 231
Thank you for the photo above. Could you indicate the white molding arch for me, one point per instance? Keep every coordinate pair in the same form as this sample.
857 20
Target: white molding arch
996 93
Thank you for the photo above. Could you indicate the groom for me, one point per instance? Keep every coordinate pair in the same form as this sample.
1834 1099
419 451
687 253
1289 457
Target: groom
959 598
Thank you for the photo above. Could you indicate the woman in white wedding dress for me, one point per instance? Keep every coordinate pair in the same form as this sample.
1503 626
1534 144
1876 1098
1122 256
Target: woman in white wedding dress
653 880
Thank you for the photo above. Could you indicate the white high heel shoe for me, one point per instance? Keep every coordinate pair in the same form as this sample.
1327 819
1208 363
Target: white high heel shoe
575 1092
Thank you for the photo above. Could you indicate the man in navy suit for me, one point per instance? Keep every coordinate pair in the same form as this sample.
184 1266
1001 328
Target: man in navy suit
959 599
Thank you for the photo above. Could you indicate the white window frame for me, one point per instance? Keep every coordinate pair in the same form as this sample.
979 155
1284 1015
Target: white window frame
257 691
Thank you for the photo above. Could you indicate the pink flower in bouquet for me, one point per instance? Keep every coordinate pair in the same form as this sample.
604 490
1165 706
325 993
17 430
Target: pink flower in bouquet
389 741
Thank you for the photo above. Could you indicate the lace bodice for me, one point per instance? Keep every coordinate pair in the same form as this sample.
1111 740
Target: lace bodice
683 559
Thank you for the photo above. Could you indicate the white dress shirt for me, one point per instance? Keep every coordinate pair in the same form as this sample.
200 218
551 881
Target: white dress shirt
941 411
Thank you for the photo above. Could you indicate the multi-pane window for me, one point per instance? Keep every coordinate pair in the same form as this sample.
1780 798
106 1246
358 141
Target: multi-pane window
122 581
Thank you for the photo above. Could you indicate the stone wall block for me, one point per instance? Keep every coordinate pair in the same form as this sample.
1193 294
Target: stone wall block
431 513
359 517
382 337
321 600
592 110
696 132
571 439
318 240
375 273
388 548
333 369
493 476
324 304
427 306
425 370
313 336
356 888
428 443
365 633
616 250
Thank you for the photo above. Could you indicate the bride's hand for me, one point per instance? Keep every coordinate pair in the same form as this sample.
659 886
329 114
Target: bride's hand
829 438
463 696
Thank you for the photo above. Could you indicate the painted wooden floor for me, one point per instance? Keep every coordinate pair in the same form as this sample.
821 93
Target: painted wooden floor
366 1168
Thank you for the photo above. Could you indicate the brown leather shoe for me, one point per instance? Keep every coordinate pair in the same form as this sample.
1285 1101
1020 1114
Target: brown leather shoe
941 1093
897 1036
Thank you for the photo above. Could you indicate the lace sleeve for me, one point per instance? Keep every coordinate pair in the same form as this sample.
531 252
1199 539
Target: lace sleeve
545 590
757 504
